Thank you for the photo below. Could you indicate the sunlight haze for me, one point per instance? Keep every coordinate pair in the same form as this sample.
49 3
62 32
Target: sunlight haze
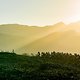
39 12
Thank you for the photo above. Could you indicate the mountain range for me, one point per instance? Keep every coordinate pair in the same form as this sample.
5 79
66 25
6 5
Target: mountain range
31 39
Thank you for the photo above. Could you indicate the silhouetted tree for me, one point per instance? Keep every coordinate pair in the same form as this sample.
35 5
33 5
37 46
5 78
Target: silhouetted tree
38 54
13 51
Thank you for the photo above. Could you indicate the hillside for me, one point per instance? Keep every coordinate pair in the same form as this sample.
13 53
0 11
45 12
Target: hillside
42 66
15 36
67 41
31 39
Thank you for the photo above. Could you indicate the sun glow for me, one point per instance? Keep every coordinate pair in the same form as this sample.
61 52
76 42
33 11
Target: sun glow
39 12
72 19
73 12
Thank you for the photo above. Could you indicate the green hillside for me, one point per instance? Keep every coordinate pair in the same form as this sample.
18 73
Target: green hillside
42 66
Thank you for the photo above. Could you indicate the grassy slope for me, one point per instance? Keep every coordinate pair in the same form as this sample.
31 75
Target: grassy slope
54 66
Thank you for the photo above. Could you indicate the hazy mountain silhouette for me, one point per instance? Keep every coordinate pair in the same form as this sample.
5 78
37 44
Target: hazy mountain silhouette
31 39
15 36
67 41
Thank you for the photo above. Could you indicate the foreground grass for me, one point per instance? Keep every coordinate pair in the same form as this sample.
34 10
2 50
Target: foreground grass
42 66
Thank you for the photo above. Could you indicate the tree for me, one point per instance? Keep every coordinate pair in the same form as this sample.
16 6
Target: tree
38 54
13 51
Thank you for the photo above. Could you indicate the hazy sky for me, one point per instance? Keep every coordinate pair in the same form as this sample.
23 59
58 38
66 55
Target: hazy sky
39 12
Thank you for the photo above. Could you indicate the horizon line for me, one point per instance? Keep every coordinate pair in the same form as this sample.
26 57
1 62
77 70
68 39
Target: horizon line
24 24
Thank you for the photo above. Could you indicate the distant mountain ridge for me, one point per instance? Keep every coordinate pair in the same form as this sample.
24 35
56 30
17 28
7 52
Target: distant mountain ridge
31 39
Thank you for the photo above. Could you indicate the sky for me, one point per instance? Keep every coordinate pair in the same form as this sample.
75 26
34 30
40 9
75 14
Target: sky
39 12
